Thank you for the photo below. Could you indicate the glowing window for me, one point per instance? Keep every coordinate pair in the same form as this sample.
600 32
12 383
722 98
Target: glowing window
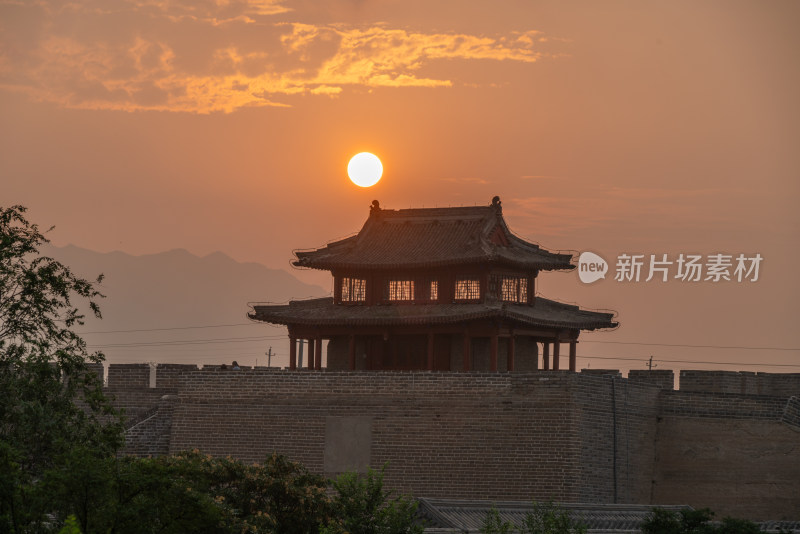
354 290
434 290
401 290
514 289
468 289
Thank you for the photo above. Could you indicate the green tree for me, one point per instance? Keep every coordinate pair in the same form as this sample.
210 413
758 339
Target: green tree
549 518
50 403
542 518
277 495
70 526
363 506
737 526
187 492
494 524
661 521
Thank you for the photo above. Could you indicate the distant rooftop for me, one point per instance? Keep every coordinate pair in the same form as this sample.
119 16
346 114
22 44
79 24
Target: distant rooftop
445 516
457 515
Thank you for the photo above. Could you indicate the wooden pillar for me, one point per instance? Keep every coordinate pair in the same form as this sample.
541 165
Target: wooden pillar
310 364
493 353
556 348
545 356
430 351
467 352
352 352
292 353
573 355
510 363
318 354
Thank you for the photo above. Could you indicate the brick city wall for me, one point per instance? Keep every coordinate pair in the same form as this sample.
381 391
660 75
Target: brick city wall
735 466
145 402
775 384
588 437
617 429
471 435
661 378
734 453
149 434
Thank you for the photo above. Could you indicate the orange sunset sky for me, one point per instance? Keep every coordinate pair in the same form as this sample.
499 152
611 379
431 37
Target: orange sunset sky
615 127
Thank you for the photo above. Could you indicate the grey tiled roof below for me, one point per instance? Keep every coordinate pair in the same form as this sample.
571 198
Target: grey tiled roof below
467 516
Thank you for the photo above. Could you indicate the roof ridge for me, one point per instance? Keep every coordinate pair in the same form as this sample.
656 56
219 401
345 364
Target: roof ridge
481 211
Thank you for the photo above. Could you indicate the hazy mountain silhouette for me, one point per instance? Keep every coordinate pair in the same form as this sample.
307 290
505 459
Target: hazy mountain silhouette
177 289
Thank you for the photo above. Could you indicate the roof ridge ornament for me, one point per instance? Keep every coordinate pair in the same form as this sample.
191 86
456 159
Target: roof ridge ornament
496 204
375 208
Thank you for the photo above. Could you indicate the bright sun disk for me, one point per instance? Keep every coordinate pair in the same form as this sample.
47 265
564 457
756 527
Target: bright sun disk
365 169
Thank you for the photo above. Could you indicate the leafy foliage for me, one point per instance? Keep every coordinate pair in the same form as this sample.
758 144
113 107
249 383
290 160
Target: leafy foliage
36 293
363 506
70 526
50 403
543 518
59 436
549 518
192 492
494 524
188 492
661 521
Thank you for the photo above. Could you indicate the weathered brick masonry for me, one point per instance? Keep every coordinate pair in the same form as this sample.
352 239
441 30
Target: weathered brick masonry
479 433
565 436
738 454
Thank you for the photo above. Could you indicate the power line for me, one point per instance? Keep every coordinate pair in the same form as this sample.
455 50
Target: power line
188 342
645 358
681 345
692 346
170 328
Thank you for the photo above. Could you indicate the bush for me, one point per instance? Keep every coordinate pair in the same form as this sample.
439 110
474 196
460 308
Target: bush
661 521
494 524
543 518
363 506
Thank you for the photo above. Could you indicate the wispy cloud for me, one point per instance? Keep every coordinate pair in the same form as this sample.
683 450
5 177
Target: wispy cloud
599 207
218 55
467 179
540 177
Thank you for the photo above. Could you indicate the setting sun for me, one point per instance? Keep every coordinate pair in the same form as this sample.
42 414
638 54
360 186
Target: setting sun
365 169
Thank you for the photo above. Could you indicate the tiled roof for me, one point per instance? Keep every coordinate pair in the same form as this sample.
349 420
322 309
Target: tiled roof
468 516
323 312
432 237
443 516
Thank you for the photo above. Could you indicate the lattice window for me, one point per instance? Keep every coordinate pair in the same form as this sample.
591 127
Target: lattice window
401 290
468 289
354 289
514 289
434 290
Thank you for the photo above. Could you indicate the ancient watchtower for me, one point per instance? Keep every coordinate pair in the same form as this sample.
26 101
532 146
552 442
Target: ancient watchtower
437 289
